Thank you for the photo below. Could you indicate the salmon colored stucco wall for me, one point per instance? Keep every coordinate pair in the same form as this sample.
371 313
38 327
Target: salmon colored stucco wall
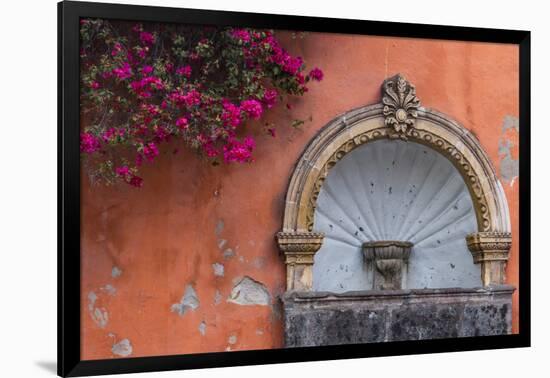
168 234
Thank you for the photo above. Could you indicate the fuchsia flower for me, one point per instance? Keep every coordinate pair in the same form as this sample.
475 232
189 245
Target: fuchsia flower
191 98
94 85
184 71
270 97
241 152
117 48
142 53
136 181
111 134
89 143
122 171
182 123
316 74
150 150
151 109
139 160
161 133
147 70
231 114
241 34
253 108
123 72
207 145
142 88
146 38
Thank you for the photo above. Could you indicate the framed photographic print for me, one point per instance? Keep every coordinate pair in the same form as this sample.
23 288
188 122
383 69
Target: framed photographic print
240 188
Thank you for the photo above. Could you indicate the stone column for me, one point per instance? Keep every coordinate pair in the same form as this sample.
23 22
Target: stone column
491 250
299 248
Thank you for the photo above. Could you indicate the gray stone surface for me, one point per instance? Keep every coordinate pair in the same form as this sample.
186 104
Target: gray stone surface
189 301
249 292
395 190
322 318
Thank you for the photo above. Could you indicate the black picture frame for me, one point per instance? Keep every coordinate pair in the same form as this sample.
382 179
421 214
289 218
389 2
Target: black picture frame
69 296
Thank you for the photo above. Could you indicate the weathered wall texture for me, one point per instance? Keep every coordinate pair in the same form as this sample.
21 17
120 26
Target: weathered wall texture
189 263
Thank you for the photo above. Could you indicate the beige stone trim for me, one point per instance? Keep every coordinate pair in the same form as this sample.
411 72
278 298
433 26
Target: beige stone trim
490 250
420 125
299 249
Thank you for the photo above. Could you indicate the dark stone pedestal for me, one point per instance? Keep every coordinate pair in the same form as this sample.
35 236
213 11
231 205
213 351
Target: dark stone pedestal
322 318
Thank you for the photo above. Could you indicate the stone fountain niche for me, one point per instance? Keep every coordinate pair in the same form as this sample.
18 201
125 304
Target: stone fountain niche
395 228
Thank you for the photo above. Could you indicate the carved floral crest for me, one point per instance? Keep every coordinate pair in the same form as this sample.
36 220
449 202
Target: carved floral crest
400 105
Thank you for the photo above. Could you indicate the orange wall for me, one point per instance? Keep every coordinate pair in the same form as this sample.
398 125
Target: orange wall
167 234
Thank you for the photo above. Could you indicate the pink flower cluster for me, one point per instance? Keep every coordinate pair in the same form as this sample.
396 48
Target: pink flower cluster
111 134
270 97
231 114
130 178
236 151
184 71
146 38
241 34
191 98
253 108
123 72
182 123
287 62
89 143
165 95
142 88
151 151
316 74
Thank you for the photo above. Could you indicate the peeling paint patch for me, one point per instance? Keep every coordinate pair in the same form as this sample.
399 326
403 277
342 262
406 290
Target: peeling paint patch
217 298
218 269
221 243
189 301
123 348
219 227
109 289
100 316
248 292
232 340
228 253
259 262
116 272
507 149
202 328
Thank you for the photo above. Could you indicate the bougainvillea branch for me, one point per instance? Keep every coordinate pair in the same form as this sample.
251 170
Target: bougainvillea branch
144 85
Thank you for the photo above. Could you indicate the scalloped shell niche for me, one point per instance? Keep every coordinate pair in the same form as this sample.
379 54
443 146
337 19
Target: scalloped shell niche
395 190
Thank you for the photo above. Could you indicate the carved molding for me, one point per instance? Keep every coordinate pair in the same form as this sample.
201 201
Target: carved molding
491 251
489 246
296 242
374 122
400 106
473 181
299 249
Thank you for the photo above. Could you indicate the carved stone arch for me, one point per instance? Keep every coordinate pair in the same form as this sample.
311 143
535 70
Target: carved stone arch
398 116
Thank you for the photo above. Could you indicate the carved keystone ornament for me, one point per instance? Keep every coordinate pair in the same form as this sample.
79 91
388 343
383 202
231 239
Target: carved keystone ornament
400 106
